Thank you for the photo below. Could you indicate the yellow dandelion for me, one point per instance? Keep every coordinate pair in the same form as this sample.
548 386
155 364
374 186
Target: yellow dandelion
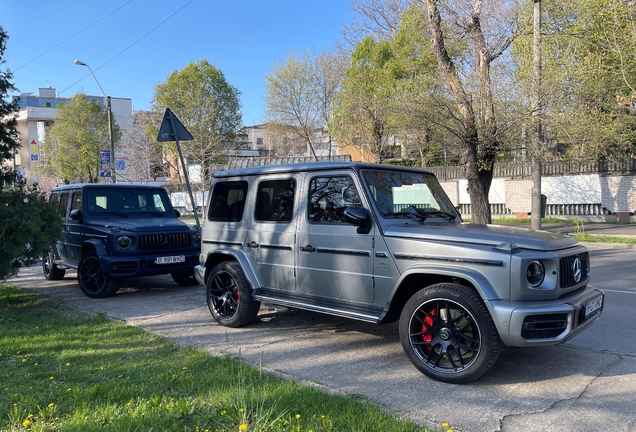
30 416
184 368
69 389
26 423
449 430
243 426
223 412
51 405
51 378
23 360
37 364
297 416
129 403
241 410
6 389
68 364
444 424
322 416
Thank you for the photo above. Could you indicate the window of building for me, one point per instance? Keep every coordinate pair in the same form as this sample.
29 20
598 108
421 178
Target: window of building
259 141
47 104
329 197
228 201
275 201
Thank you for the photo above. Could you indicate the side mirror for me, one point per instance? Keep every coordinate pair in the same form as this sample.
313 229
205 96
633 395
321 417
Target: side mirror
76 215
177 212
360 217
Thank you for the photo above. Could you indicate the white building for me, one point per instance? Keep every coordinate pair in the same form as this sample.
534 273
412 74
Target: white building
39 111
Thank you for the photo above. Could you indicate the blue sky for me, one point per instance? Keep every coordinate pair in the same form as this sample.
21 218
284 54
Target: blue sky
241 38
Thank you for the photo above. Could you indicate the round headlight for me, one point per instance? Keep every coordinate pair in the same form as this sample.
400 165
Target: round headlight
124 242
196 237
535 273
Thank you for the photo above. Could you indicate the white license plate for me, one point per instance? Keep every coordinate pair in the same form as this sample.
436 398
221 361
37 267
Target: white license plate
170 259
593 305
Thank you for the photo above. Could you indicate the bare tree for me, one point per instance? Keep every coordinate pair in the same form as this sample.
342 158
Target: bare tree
489 28
141 154
379 19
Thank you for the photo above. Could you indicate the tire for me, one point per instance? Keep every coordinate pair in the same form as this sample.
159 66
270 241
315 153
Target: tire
50 269
229 296
93 282
184 278
448 334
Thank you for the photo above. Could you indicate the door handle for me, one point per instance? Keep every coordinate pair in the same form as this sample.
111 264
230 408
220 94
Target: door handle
253 244
308 248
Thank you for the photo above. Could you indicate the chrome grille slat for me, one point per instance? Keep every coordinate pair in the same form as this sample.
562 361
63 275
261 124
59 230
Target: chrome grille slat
159 242
566 272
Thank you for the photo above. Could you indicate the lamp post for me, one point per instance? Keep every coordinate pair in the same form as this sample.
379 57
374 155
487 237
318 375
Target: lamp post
110 122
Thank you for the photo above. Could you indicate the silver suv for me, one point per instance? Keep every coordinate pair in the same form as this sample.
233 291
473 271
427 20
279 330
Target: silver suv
380 244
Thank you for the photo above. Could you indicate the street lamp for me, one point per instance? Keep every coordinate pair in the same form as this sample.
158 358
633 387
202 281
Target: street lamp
110 122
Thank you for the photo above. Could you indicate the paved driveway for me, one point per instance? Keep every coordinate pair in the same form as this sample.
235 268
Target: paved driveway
587 384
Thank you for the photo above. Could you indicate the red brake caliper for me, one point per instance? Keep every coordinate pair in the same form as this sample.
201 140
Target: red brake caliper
428 323
236 296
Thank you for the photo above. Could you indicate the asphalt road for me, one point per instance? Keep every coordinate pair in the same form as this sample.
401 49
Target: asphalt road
586 384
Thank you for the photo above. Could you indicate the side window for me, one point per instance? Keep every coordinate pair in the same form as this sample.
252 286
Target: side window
76 203
275 201
329 197
228 201
63 204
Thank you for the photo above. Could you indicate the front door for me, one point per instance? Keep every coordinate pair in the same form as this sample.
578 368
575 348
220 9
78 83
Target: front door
333 259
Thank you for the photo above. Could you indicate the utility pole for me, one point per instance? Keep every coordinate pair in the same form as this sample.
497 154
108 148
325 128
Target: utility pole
537 111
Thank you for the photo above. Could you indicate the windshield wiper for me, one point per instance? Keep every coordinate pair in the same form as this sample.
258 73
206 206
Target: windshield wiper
421 214
111 212
156 213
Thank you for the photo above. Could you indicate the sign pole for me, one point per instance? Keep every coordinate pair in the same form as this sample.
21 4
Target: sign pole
176 128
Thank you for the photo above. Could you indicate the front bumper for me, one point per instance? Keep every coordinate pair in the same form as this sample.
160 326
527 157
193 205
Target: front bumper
199 274
546 323
146 265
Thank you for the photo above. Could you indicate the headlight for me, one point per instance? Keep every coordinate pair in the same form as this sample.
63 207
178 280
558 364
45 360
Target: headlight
196 237
535 273
124 242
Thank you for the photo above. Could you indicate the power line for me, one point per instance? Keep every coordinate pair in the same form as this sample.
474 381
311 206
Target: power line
71 37
128 47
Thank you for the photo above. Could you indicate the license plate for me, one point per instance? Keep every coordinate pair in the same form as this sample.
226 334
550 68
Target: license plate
170 259
593 305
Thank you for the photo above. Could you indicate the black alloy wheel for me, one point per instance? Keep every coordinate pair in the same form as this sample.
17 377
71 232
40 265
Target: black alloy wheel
50 269
447 333
93 282
229 296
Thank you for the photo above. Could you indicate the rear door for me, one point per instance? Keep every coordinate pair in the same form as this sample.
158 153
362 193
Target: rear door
270 240
74 233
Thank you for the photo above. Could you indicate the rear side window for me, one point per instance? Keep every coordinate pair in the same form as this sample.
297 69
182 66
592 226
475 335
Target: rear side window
77 200
275 201
228 201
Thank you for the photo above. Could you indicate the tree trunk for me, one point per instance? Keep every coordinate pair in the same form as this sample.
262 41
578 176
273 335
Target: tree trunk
477 171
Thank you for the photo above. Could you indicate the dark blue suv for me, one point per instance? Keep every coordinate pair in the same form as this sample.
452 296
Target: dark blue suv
118 231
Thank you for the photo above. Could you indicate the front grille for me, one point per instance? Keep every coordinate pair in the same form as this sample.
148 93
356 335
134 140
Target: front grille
566 269
158 242
544 326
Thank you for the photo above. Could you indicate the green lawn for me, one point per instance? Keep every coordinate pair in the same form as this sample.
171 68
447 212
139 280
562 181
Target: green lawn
65 371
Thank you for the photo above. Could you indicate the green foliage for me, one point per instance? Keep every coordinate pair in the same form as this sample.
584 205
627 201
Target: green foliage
8 111
66 371
28 227
72 145
207 105
588 74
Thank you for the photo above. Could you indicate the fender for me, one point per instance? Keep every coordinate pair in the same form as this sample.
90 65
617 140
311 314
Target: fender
243 261
94 244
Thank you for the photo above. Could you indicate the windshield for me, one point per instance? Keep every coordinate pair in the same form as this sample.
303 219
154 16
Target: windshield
403 194
128 201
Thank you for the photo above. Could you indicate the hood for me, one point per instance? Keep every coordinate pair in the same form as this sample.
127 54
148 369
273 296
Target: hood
490 235
141 225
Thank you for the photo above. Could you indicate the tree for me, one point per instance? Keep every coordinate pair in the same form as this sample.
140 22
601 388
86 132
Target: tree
209 107
489 28
71 147
378 19
300 94
588 76
364 103
28 224
139 149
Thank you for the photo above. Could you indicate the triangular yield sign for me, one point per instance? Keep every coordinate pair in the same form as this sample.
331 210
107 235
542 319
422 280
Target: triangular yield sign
167 134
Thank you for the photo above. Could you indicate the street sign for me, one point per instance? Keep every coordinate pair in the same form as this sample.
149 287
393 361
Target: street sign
172 130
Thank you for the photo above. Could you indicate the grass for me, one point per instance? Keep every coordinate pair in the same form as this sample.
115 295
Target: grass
66 371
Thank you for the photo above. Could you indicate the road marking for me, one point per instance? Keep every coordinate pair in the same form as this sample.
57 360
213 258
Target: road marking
617 291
